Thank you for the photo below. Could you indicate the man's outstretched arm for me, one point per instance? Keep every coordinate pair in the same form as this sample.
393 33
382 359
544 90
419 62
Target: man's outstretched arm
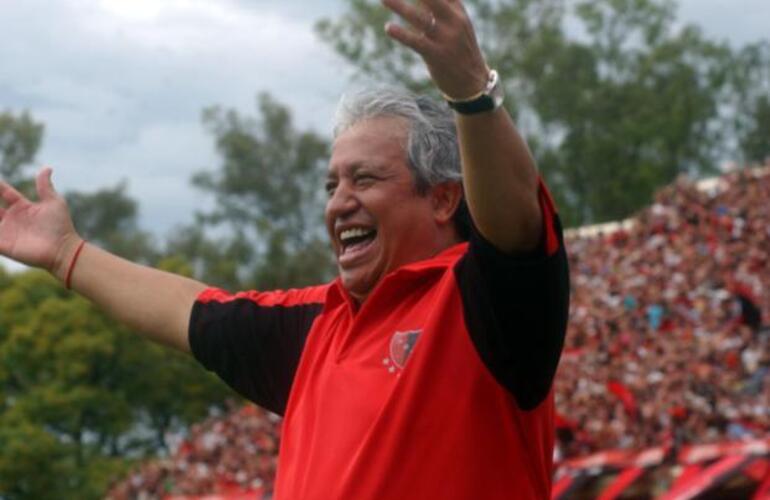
499 174
154 303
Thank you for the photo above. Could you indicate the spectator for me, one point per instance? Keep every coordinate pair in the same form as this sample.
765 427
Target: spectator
669 314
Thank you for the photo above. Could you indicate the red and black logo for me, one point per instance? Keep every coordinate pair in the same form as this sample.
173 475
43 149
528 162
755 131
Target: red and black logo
401 346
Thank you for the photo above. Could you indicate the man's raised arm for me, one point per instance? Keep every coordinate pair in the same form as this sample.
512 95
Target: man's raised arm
156 304
499 175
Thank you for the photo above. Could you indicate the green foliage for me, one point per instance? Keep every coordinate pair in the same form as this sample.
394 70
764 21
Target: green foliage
32 460
616 97
356 36
640 112
216 259
81 397
269 203
20 138
752 101
756 143
79 394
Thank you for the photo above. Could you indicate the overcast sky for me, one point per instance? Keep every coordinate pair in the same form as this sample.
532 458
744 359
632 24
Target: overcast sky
120 84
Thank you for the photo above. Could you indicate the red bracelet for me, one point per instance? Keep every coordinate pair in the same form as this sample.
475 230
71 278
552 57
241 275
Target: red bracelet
68 281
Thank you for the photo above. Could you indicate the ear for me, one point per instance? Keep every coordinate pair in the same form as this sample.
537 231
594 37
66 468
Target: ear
445 198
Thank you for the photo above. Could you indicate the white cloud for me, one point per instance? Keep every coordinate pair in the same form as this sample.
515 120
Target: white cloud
120 83
738 21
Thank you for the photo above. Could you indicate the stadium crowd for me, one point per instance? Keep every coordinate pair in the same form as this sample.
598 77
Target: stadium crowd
666 343
231 454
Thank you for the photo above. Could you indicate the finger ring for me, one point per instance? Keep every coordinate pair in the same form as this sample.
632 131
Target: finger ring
431 25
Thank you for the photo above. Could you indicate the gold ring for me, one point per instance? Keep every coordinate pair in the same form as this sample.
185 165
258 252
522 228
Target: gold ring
431 25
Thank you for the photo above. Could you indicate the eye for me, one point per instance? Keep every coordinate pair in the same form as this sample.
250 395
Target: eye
330 187
364 179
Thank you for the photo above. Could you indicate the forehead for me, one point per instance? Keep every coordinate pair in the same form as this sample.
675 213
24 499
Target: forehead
380 141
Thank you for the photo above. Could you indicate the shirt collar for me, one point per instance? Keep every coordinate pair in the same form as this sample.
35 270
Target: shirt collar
440 261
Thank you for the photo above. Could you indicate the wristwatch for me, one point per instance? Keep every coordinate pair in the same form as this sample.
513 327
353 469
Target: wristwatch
488 99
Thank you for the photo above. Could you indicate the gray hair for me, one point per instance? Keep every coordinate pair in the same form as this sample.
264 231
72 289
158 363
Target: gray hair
432 149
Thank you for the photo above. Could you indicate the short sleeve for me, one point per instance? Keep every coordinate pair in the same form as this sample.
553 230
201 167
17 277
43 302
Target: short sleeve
516 308
254 340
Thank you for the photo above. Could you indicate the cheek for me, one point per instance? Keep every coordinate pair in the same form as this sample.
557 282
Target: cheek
329 222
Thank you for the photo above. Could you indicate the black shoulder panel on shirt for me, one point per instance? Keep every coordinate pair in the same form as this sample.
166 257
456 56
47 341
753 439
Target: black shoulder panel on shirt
516 312
255 349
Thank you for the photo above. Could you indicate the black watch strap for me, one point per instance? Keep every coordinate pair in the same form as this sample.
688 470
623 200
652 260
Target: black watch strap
478 105
488 99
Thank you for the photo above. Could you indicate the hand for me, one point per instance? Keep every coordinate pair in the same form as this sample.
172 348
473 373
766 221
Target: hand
442 33
38 234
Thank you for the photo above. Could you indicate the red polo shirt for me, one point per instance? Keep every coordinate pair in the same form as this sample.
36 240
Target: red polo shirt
438 386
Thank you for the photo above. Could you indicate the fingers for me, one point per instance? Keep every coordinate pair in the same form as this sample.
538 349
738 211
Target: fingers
419 18
9 195
442 9
45 190
416 41
422 21
442 33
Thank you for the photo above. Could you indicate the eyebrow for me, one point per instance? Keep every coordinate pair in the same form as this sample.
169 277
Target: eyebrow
354 168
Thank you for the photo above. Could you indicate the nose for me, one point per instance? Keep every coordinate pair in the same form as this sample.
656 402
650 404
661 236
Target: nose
342 202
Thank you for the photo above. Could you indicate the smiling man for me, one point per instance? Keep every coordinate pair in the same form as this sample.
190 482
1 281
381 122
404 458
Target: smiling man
377 219
425 369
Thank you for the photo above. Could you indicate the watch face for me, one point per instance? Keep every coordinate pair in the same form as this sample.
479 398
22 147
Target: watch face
493 83
495 90
497 96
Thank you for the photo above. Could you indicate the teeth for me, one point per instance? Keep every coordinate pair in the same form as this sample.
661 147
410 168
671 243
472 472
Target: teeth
354 233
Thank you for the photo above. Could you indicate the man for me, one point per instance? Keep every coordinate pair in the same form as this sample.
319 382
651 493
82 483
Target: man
425 368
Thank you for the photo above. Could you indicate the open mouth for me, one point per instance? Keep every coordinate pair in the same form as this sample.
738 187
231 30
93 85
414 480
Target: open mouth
356 239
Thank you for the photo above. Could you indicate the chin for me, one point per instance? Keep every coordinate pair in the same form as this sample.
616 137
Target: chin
357 286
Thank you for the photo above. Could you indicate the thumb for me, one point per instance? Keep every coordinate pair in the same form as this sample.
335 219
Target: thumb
45 190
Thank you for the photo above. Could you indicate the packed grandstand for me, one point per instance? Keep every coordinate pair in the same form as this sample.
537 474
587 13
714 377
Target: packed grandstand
664 386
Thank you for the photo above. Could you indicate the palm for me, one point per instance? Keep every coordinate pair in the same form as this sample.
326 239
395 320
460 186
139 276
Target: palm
33 233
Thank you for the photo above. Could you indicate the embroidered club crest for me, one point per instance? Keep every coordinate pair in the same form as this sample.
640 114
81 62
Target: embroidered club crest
401 346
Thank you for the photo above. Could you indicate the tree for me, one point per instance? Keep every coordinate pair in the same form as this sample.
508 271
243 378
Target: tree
752 102
615 106
269 205
20 139
216 257
80 395
108 217
756 143
81 398
644 113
